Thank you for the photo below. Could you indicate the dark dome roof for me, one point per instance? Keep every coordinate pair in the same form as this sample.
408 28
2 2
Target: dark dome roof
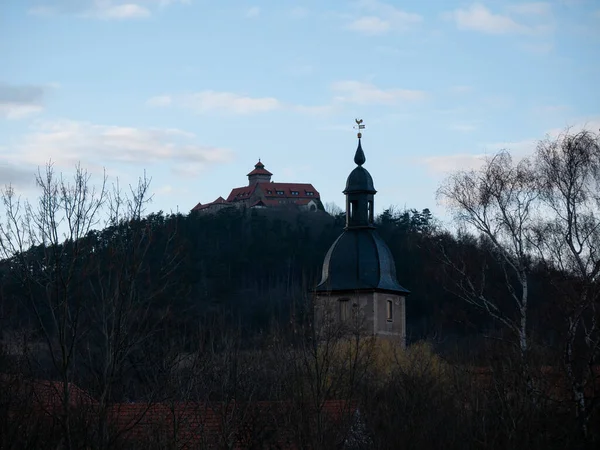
360 180
359 260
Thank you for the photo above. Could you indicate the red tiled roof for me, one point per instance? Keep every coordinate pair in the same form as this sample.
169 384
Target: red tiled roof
259 172
259 169
218 201
242 193
270 190
46 395
275 202
209 424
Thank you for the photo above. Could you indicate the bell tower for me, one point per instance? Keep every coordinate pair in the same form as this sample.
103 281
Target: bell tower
358 283
360 194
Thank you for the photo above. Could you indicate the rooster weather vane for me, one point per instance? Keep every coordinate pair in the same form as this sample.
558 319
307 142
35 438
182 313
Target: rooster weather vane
359 126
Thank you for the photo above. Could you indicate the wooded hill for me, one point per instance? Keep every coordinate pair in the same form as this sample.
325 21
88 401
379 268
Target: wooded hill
217 308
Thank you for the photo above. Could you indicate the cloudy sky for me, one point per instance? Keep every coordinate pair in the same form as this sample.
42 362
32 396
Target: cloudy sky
195 91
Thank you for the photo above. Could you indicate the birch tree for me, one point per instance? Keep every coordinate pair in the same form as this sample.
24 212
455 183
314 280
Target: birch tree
496 203
568 241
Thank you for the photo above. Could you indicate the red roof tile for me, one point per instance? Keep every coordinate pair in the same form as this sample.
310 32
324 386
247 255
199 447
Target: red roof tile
218 201
209 424
270 191
259 172
259 169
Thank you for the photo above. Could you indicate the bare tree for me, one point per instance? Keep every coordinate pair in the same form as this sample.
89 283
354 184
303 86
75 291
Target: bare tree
91 293
44 242
496 203
568 241
333 209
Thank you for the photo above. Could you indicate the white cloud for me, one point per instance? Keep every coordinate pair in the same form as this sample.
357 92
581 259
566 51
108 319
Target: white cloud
67 142
16 111
451 163
314 110
208 101
370 25
478 18
19 101
381 18
253 12
124 11
587 123
102 9
222 102
356 92
160 100
368 94
519 149
531 8
169 190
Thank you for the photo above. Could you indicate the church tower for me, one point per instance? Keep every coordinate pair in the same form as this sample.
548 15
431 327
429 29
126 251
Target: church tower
358 283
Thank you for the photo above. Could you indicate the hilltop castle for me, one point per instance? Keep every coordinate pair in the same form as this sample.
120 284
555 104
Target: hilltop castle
261 192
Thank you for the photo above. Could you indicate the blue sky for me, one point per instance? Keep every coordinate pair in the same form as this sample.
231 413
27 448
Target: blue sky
194 92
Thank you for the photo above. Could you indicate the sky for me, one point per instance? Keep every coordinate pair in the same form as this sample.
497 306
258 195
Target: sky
195 92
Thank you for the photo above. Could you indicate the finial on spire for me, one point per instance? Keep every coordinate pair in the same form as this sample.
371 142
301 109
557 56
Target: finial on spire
359 126
359 157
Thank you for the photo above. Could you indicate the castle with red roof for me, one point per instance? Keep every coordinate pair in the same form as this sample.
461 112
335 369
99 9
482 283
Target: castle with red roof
261 192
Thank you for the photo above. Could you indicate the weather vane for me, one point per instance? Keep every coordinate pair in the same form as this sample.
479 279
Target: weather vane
359 126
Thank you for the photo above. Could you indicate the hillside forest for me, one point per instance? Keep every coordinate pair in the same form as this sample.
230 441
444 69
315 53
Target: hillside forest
97 295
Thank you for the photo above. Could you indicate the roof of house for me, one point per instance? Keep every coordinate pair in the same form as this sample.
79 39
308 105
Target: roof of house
46 395
275 202
206 424
274 191
218 201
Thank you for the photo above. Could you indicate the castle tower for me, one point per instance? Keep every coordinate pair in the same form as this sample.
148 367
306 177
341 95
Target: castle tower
259 174
359 282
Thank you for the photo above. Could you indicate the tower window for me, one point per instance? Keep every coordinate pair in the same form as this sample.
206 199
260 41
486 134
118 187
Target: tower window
390 311
344 304
352 208
370 204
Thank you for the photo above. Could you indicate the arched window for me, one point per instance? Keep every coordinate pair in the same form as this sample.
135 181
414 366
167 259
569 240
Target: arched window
390 311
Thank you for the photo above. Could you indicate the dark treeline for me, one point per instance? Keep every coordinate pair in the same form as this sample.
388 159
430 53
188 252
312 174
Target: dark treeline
216 309
253 270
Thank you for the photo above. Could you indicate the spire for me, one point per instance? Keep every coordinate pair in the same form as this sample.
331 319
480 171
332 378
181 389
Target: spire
359 157
359 190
